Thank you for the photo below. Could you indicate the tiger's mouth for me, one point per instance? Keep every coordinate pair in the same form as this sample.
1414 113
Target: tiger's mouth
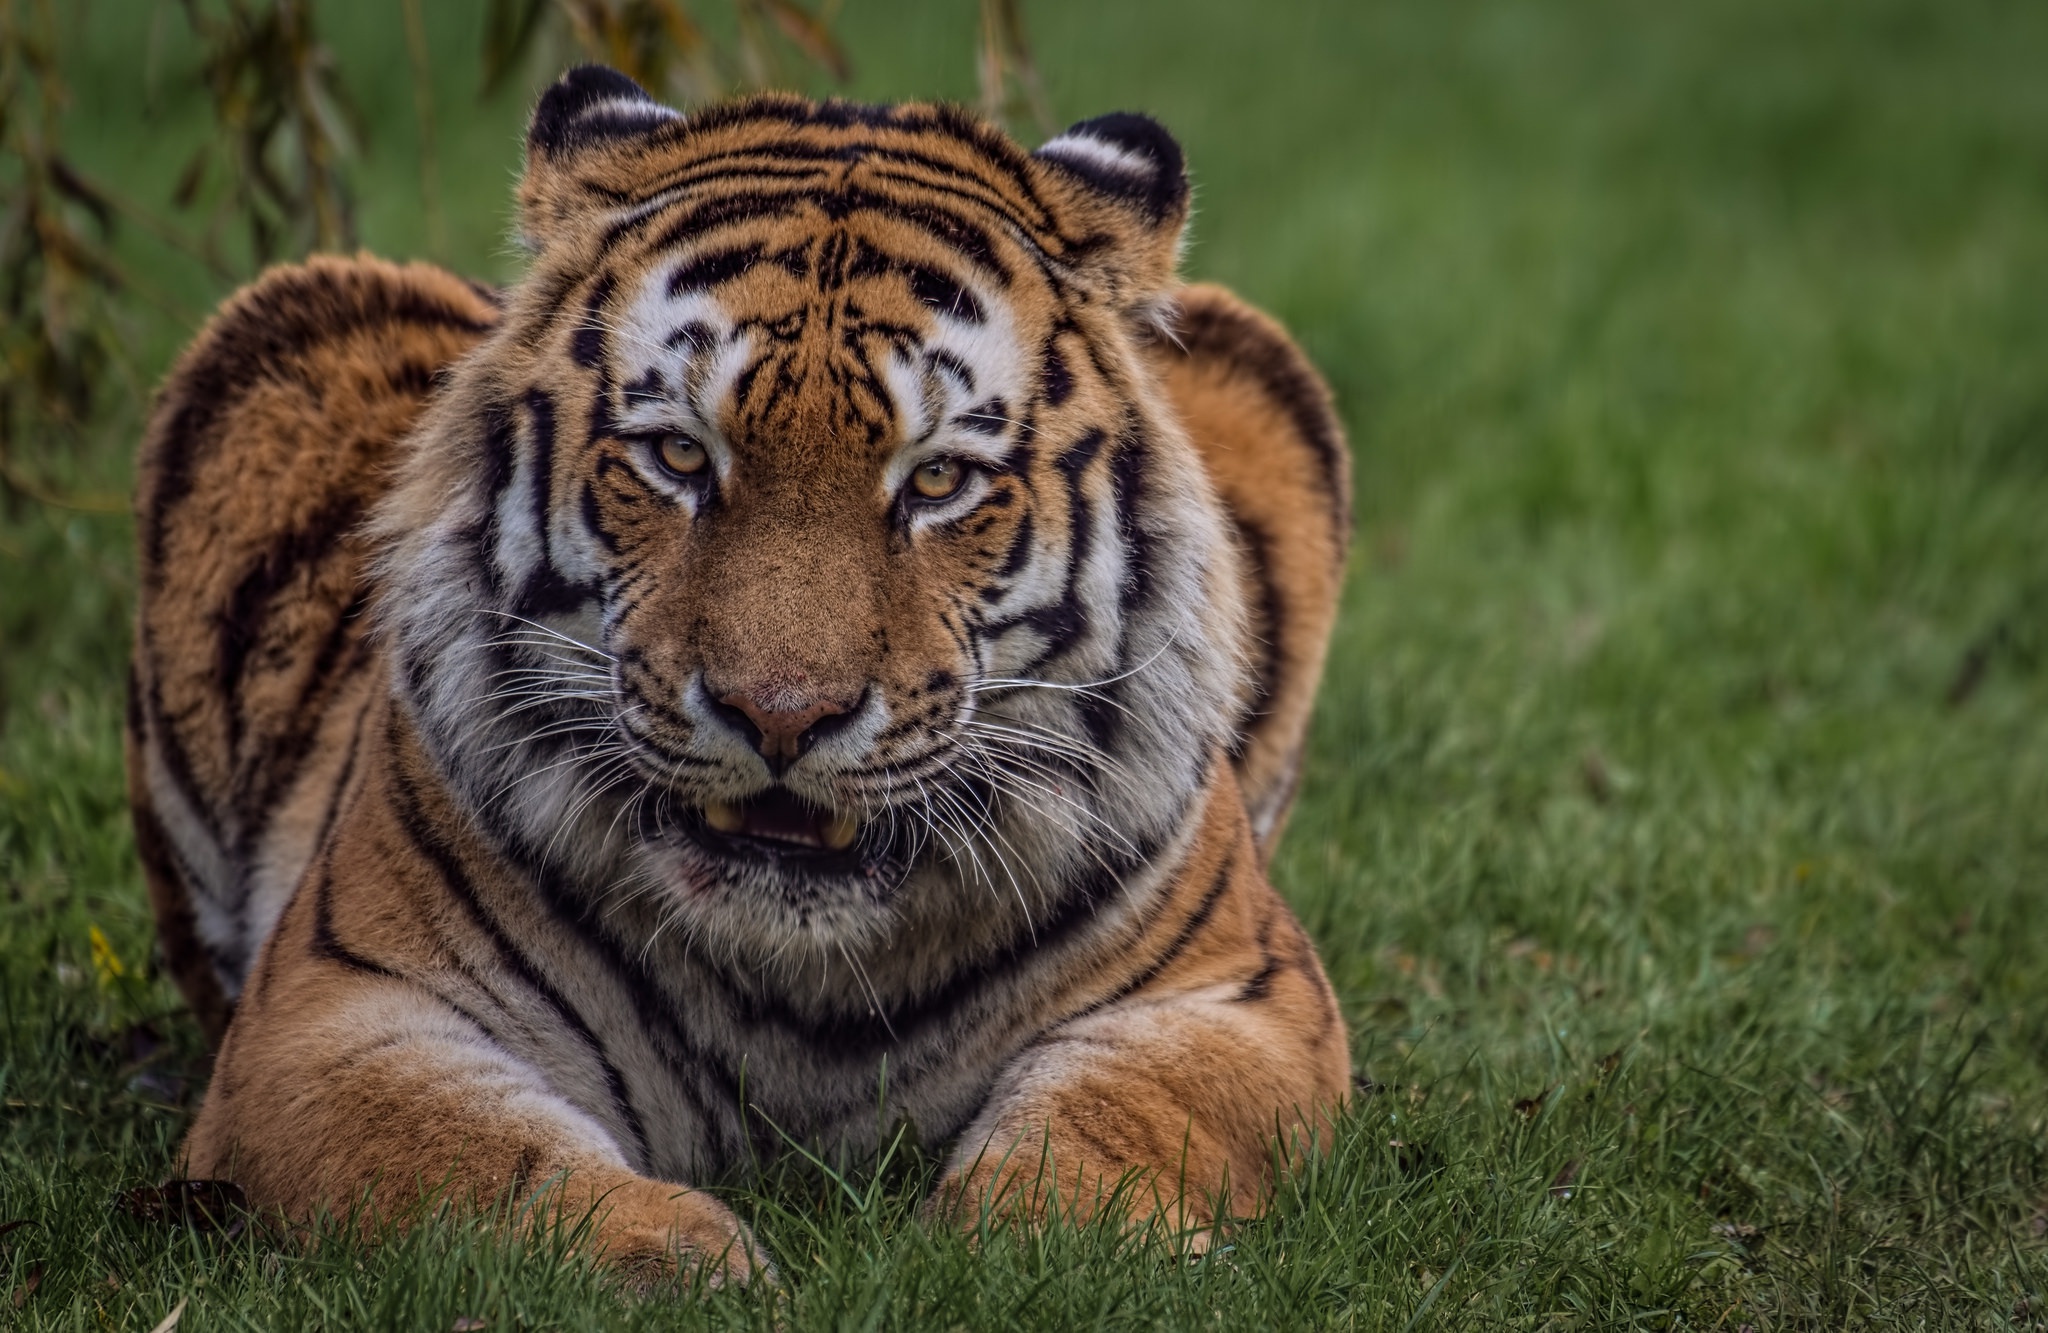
779 821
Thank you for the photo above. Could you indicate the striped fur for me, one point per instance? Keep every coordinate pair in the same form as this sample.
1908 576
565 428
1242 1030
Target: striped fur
463 723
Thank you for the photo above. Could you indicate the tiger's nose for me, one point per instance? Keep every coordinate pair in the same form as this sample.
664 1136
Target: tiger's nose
783 735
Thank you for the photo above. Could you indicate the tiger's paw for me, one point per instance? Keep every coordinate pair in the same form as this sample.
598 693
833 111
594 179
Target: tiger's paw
666 1234
1031 1195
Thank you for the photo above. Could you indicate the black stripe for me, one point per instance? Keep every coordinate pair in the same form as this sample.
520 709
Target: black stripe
326 944
725 211
266 782
540 502
1065 621
1055 377
943 294
1077 456
704 271
243 619
941 359
1020 551
1181 940
1260 984
946 226
989 418
348 773
546 590
747 164
1127 487
1216 332
586 344
1258 561
500 464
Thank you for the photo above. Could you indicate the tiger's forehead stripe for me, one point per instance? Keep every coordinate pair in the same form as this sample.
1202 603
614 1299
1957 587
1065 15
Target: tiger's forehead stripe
783 130
706 212
965 190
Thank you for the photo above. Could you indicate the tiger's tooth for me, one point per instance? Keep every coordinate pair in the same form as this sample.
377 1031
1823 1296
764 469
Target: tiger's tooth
840 831
723 816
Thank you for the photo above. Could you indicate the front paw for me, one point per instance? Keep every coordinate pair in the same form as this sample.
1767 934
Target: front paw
1029 1190
663 1233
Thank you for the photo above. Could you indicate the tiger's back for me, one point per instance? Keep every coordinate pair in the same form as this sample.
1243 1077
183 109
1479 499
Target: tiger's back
279 431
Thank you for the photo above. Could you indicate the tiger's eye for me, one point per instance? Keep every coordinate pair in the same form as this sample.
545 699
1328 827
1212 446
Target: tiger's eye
937 478
682 455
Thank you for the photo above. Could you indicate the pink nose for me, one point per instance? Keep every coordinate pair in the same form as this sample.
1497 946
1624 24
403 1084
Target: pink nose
782 734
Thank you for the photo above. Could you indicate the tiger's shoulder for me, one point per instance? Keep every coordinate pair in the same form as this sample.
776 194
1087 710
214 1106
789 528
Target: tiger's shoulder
1268 433
271 440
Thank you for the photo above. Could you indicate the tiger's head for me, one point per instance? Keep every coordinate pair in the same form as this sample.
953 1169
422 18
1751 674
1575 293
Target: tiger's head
810 552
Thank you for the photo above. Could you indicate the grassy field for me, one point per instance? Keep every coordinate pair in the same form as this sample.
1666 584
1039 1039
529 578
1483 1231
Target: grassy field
1676 829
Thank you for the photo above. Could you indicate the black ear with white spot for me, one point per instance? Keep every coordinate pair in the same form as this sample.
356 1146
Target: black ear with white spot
590 105
1127 157
592 139
1120 187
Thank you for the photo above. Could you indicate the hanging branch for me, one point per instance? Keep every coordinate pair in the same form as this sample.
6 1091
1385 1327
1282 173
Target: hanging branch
662 45
423 108
58 276
1010 87
285 127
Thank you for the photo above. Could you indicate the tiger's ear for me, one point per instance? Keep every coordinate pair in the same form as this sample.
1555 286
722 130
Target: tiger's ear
1119 182
592 122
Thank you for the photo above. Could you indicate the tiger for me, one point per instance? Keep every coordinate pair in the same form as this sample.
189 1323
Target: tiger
825 654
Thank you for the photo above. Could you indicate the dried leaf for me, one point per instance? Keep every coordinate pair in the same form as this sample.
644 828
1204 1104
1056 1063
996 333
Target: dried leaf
81 191
28 1287
1529 1107
1561 1183
171 1320
1742 1233
1010 86
469 1323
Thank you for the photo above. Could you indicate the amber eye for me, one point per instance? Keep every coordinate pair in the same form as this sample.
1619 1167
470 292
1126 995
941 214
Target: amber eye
681 455
937 478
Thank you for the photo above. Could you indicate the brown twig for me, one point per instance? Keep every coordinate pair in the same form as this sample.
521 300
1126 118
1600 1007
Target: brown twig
1010 86
423 107
662 45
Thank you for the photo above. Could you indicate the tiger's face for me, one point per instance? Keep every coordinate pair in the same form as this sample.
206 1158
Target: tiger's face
811 544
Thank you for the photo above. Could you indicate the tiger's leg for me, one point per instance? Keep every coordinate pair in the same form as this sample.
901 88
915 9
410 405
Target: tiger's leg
1169 1098
341 1082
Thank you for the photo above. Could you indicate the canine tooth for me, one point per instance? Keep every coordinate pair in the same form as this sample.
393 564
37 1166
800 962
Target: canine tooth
723 816
840 831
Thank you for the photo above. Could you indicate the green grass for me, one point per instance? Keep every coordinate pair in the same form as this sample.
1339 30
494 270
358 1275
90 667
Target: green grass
1676 827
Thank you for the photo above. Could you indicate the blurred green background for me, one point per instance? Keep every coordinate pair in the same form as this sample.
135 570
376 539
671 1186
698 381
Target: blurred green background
1676 827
